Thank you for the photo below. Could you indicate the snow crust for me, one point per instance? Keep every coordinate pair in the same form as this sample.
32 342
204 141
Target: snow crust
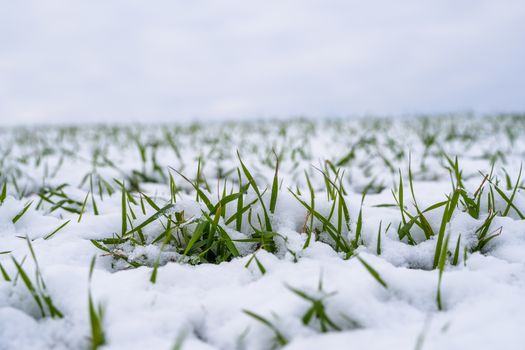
483 297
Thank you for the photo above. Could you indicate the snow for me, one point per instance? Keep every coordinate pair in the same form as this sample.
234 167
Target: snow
483 306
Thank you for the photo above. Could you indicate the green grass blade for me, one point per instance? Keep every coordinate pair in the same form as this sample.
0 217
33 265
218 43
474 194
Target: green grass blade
373 272
57 229
21 213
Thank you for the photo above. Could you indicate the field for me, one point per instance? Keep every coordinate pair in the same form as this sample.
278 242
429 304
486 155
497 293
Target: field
300 234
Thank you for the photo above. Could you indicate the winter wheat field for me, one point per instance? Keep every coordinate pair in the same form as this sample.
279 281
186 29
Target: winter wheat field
334 234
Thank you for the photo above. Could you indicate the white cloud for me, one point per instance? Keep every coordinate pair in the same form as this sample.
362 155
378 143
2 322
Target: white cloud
173 60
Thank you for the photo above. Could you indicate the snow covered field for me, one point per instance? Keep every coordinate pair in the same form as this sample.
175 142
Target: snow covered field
341 234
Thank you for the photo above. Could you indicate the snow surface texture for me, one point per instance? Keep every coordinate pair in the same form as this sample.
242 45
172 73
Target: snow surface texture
283 272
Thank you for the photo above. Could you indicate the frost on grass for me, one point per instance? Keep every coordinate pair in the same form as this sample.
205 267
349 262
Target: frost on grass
294 234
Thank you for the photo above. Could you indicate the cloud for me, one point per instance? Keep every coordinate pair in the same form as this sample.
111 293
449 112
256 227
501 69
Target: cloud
78 61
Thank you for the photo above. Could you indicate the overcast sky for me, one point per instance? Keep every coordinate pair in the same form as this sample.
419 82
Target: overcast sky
73 61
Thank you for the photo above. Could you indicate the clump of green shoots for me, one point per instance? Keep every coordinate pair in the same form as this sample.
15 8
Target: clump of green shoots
336 231
408 220
317 310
